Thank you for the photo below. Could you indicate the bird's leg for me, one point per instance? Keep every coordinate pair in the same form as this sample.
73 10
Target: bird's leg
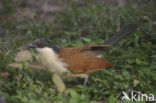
85 81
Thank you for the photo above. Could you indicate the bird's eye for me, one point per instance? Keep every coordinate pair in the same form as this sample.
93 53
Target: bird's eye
41 45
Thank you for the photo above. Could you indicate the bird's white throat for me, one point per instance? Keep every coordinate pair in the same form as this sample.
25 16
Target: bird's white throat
50 60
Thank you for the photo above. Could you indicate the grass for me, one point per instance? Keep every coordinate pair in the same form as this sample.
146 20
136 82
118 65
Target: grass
134 57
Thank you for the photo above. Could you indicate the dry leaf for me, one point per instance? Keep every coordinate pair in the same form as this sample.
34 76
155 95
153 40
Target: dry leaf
136 82
32 66
5 74
23 56
8 52
15 65
36 66
58 83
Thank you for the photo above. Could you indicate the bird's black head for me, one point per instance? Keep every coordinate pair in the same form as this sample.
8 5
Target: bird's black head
41 43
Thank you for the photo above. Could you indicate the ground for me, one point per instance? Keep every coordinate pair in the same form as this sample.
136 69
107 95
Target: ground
72 23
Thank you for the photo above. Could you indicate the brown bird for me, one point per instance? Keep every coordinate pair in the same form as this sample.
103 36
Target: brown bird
77 61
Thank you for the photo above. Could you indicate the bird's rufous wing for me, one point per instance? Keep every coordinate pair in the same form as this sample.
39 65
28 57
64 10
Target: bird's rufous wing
82 62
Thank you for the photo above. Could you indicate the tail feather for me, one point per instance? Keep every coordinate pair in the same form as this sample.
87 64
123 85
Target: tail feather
124 32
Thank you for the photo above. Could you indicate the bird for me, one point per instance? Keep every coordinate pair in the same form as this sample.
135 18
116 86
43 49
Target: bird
76 61
71 60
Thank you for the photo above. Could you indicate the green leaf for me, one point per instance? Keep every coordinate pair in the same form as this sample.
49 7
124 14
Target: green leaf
122 42
73 94
88 40
138 61
130 61
113 99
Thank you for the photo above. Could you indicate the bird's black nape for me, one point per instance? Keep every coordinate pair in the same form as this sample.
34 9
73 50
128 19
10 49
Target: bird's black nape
41 43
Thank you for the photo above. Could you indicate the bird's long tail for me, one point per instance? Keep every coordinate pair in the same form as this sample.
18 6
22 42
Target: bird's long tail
124 32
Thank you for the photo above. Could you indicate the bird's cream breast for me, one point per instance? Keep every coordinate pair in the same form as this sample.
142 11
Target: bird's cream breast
51 60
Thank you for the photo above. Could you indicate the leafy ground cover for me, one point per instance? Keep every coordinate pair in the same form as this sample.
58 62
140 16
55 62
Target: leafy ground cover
80 23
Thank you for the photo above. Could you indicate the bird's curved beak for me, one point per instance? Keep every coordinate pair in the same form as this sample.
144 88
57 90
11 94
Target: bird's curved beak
31 46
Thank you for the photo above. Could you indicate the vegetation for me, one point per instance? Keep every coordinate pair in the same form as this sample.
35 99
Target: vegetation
91 23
